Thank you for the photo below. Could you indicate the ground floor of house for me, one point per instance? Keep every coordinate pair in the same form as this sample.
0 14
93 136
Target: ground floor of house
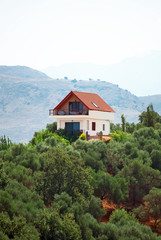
91 127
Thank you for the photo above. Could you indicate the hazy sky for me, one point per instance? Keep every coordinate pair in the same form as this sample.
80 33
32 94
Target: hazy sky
41 33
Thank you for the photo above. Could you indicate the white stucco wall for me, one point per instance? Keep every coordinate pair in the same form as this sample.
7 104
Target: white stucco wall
99 127
98 117
83 125
102 115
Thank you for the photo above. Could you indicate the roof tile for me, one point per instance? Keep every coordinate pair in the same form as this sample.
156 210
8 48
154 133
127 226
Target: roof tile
91 100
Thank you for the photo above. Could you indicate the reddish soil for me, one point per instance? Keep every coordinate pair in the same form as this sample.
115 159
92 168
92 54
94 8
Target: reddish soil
110 207
150 224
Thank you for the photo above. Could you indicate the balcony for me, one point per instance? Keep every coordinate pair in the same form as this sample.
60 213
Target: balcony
51 112
63 113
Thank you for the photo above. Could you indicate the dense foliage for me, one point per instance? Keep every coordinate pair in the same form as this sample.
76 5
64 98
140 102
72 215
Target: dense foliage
53 189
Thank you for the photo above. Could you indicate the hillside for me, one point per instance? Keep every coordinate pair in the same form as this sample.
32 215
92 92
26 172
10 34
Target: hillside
27 95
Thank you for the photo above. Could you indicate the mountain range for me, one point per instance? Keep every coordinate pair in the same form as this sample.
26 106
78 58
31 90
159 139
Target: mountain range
26 95
140 75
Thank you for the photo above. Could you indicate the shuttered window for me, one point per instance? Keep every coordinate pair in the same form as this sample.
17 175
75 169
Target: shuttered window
93 126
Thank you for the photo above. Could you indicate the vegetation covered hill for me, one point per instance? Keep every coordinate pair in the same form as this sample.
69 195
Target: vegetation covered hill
53 189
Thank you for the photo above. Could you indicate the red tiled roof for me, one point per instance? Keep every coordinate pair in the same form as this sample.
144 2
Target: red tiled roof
91 100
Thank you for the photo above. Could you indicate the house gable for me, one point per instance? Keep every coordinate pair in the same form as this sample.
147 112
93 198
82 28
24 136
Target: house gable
91 101
64 104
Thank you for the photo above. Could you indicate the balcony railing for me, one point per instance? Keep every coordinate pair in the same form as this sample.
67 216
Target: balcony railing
51 112
62 113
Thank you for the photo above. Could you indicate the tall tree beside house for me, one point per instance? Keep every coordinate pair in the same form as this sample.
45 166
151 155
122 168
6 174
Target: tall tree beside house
149 117
123 123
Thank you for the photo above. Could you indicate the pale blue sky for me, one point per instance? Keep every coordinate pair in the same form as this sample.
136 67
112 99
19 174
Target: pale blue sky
42 33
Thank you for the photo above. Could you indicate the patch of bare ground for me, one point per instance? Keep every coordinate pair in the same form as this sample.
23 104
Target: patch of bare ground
109 206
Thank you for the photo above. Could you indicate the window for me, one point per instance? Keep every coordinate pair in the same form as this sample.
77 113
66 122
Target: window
87 124
93 126
103 127
95 105
75 107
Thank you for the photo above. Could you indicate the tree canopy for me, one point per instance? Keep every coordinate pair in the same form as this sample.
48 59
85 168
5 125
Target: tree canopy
55 187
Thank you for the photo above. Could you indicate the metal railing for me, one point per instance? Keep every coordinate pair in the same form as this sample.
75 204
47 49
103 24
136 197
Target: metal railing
51 113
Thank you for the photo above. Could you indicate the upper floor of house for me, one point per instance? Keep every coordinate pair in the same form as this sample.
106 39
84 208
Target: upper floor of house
81 103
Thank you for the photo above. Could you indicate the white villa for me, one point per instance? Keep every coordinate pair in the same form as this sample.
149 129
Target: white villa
83 112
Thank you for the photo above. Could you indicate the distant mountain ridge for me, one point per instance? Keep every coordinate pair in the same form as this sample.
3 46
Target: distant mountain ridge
140 75
21 72
27 95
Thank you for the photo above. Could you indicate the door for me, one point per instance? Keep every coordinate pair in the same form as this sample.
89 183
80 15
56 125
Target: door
72 127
